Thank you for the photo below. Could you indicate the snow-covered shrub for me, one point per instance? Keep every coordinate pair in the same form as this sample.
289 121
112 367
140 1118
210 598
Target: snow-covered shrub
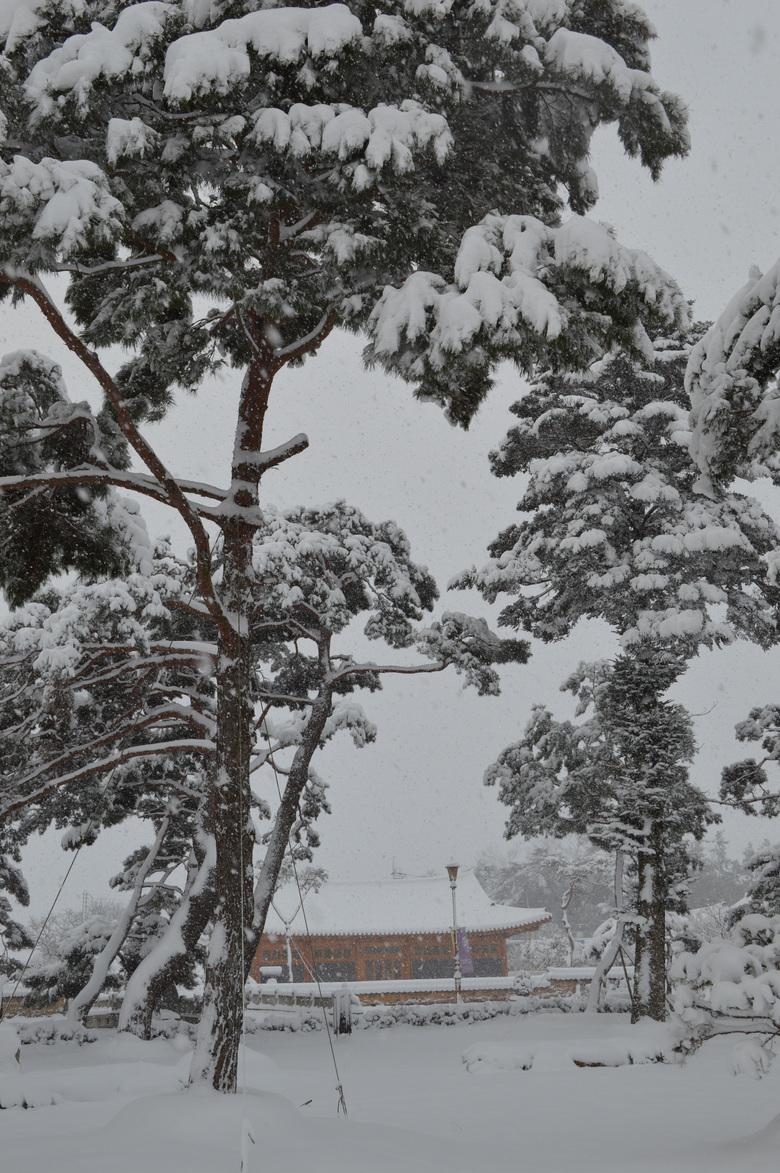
523 982
294 1020
433 1014
733 985
48 1031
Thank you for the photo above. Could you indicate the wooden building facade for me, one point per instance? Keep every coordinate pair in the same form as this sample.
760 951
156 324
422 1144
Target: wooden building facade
396 930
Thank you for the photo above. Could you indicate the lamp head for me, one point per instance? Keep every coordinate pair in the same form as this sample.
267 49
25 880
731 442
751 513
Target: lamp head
452 872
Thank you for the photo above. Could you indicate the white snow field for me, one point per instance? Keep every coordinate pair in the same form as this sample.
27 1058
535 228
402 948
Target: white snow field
517 1102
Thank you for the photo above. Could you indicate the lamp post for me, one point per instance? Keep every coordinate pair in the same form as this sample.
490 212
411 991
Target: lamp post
452 872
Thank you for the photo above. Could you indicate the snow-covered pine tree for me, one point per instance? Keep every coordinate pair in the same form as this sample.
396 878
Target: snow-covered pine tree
615 529
109 711
748 785
621 778
751 788
763 894
298 170
730 985
732 379
78 947
157 878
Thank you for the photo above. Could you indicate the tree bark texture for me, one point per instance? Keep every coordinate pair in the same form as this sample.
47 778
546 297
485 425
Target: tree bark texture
650 958
228 822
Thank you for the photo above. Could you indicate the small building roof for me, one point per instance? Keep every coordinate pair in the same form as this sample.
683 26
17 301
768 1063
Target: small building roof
397 906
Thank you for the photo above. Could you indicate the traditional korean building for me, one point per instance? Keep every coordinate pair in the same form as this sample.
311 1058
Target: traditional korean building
395 930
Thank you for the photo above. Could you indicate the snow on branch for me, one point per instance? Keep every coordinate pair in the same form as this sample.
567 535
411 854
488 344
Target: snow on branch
517 291
109 53
589 59
64 203
732 382
385 135
468 644
350 716
17 801
217 60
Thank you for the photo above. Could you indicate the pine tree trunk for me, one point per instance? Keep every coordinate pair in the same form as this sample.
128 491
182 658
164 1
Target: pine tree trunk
228 822
650 959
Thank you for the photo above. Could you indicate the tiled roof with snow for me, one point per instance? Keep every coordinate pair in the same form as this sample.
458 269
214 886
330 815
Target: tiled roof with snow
397 906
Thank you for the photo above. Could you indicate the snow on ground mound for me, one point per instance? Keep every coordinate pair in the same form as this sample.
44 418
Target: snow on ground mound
649 1042
126 1067
498 1056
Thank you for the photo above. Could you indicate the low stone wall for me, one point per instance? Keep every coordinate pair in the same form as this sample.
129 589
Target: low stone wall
415 992
422 997
567 983
15 1008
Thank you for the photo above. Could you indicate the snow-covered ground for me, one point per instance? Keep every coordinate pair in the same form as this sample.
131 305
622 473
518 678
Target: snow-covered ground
414 1104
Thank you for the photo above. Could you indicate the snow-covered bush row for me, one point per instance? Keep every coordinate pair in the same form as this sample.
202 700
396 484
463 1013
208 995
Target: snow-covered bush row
48 1031
436 1013
293 1020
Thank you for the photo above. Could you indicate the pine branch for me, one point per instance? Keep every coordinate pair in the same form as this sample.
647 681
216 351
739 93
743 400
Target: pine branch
33 287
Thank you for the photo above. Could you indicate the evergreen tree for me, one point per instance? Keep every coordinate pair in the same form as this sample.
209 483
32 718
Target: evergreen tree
732 378
295 170
748 785
110 713
763 894
615 529
620 777
13 935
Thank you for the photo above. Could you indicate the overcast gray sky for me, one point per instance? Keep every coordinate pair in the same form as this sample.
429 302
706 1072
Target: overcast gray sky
416 798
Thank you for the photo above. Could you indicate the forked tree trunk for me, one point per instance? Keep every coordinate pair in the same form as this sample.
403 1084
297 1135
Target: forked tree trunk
160 967
612 951
650 957
81 1005
228 809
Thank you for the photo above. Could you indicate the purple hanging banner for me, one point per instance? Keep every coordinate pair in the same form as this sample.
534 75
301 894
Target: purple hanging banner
464 954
